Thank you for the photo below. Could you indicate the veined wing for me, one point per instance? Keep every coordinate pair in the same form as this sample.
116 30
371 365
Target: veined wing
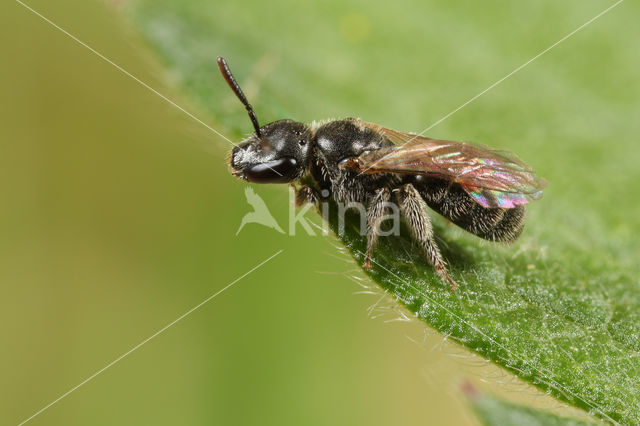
494 178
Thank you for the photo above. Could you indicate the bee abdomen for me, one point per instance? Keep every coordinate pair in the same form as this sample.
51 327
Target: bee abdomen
494 224
453 202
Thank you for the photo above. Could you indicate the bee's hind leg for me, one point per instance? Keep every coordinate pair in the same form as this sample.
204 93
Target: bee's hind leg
375 214
412 207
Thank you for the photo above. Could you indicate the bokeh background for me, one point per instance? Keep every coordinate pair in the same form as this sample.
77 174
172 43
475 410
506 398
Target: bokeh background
119 215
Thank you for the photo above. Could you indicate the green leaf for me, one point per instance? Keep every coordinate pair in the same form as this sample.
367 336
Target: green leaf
561 307
495 412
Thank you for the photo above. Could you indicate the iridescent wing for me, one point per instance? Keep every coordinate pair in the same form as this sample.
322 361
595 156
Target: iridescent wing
494 178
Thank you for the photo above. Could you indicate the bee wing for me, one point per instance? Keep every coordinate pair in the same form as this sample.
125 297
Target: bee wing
493 178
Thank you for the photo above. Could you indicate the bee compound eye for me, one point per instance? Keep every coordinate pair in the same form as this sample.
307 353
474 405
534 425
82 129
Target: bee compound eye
282 170
265 145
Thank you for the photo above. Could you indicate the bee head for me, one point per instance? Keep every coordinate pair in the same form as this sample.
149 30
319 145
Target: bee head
275 153
279 155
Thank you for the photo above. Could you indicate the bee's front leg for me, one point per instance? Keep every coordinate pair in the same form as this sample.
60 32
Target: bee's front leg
305 195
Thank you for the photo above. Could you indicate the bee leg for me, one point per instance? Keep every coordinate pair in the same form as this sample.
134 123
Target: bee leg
305 195
375 214
412 207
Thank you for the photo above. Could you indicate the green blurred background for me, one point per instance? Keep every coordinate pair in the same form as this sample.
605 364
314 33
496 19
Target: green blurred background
119 213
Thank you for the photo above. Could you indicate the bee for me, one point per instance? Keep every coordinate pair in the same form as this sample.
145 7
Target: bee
479 189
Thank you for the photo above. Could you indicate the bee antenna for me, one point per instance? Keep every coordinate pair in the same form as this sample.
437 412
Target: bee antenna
231 81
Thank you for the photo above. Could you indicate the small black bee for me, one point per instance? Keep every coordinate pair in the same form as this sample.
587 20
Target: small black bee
479 189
